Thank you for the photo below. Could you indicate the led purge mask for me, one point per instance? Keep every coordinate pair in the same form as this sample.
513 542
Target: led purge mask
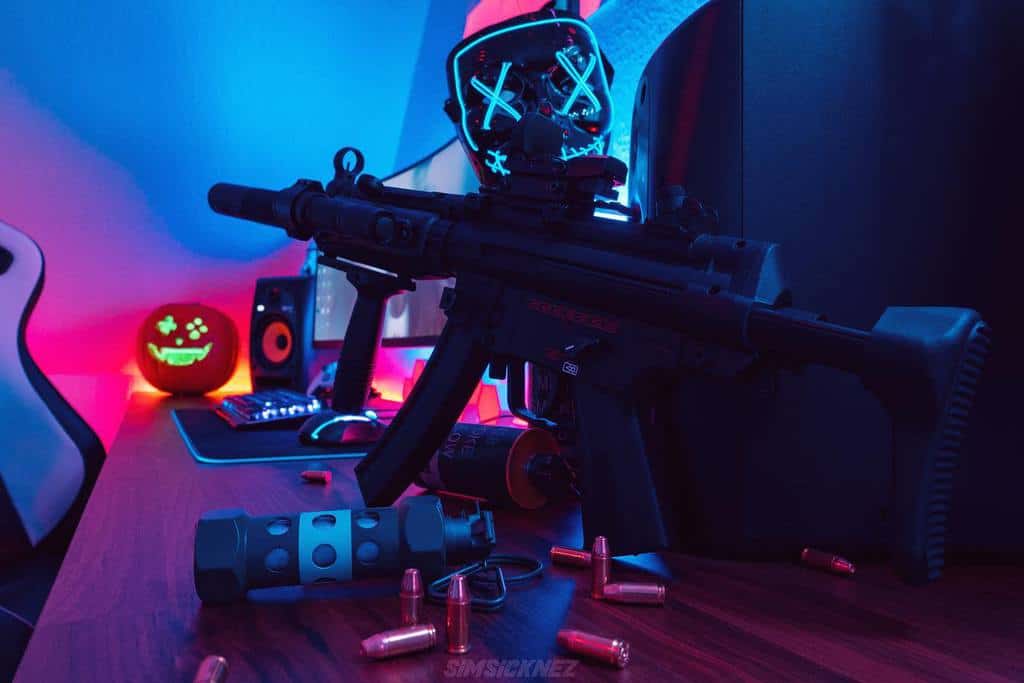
533 86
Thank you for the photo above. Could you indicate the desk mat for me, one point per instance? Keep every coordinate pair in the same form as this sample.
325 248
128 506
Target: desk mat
211 440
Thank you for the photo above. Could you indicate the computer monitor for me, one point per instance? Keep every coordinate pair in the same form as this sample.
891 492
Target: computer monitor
414 318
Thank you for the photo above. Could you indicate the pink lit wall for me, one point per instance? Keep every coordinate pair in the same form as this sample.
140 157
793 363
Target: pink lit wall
489 12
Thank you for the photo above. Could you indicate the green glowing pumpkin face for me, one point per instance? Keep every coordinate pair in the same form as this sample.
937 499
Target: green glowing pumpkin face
179 354
187 348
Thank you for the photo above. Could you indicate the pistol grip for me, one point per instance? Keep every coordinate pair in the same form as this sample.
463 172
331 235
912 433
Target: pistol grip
362 337
924 365
427 416
620 498
358 355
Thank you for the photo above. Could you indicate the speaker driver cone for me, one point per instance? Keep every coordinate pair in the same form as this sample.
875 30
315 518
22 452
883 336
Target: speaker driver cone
277 342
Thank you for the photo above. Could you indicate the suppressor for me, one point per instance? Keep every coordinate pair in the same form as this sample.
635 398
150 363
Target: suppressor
235 552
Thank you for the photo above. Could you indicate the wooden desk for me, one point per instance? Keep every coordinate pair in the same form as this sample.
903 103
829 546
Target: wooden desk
124 607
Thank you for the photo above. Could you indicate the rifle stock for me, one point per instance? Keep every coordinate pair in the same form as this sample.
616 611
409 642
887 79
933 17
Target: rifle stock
923 364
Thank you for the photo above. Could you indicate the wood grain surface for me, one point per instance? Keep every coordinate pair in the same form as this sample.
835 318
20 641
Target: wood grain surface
124 607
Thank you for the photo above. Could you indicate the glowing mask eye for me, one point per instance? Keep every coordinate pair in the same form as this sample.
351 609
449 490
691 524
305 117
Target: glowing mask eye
493 96
579 80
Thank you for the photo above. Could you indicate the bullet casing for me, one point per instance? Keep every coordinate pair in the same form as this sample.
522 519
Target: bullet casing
317 476
570 556
400 641
411 597
458 607
600 567
613 651
412 607
634 593
213 669
827 562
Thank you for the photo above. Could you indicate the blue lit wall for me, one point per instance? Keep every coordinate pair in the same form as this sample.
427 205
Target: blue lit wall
181 94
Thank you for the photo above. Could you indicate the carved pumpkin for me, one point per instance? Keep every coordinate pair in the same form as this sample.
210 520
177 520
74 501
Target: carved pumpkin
187 348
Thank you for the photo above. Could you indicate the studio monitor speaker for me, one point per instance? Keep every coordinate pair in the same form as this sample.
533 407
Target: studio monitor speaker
281 332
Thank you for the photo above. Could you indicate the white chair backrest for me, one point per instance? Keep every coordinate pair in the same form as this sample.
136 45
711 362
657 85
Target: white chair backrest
41 468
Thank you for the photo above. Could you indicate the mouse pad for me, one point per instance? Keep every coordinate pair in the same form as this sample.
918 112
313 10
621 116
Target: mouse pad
211 440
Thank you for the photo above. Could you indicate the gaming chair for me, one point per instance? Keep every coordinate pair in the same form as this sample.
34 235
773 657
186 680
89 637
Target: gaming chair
49 458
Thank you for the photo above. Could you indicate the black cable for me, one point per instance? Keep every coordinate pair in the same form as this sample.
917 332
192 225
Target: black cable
502 416
488 574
